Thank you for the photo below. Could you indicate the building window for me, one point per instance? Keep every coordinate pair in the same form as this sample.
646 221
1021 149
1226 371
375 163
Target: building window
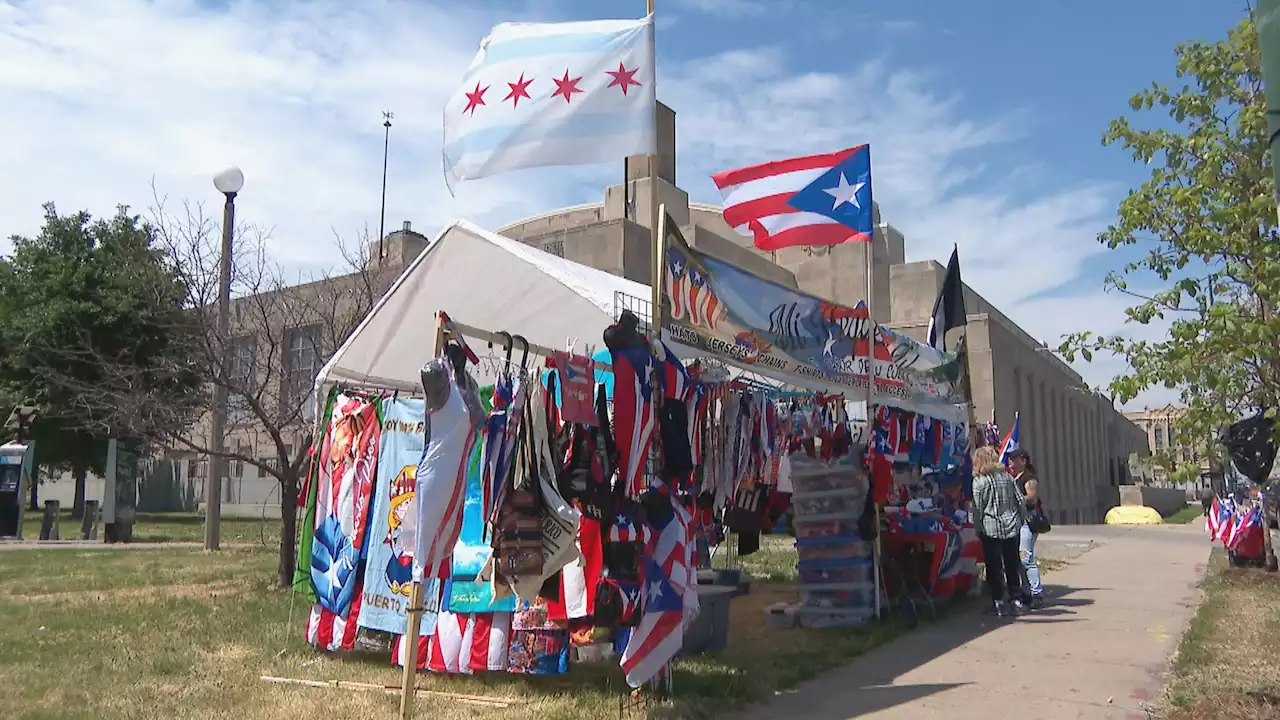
238 464
555 247
301 365
1159 439
242 359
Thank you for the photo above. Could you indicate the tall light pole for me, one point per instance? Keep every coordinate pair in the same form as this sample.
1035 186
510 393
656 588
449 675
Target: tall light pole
228 182
386 147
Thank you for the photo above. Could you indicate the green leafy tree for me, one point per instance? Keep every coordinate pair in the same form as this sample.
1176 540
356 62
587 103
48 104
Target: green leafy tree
81 291
1206 221
280 334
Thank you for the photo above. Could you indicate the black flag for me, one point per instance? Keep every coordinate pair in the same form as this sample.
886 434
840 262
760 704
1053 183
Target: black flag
1252 446
948 310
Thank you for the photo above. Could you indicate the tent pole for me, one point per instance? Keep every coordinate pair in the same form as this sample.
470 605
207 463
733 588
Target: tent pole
413 621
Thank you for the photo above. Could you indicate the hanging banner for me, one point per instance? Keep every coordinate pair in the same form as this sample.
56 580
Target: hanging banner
716 308
925 376
389 570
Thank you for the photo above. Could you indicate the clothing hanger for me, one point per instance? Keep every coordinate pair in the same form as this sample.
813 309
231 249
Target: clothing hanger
524 354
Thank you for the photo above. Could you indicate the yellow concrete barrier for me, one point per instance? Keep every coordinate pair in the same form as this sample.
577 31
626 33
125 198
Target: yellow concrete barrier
1133 515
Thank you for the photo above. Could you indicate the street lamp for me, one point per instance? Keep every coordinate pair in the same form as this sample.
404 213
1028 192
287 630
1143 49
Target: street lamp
228 182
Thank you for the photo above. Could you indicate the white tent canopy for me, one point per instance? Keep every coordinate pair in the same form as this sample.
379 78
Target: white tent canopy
493 283
484 280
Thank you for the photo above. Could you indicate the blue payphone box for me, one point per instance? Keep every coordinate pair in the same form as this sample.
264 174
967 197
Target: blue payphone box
15 481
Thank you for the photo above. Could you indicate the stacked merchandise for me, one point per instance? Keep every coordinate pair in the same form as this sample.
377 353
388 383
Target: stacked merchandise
920 465
837 577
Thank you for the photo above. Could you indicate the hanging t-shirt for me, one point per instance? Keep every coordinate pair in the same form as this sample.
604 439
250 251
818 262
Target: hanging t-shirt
454 415
784 475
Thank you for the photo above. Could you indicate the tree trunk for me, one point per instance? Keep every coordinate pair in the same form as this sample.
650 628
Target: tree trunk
289 530
77 505
35 490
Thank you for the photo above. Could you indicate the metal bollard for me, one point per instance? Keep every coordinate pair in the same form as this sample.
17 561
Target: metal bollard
49 526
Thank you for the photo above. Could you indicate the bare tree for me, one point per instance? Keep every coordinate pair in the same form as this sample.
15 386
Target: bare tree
281 335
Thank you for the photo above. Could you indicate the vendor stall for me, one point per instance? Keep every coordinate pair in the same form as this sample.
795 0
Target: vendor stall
513 506
911 463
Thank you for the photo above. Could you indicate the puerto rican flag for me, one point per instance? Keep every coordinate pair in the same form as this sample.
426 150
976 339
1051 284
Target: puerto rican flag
634 414
812 200
579 579
330 631
676 383
1010 441
1217 521
1240 526
462 644
669 601
688 291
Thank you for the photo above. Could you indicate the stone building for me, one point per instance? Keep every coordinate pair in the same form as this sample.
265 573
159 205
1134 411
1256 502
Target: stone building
1079 442
1159 426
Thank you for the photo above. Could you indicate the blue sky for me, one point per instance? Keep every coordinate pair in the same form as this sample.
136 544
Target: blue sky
985 118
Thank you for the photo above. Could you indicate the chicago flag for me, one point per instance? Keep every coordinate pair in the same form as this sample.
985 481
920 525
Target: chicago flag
540 94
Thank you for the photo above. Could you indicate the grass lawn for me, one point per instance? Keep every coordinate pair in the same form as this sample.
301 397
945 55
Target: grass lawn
774 562
168 527
1185 515
1228 662
178 633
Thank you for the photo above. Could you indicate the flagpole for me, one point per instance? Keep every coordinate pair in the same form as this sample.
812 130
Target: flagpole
871 384
656 267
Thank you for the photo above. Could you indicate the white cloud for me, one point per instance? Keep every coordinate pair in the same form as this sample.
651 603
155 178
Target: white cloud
930 181
101 97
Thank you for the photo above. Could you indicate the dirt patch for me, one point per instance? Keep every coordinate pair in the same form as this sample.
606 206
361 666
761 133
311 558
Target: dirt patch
1231 706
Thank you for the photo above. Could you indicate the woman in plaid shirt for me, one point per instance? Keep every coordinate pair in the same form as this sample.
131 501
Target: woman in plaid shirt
999 511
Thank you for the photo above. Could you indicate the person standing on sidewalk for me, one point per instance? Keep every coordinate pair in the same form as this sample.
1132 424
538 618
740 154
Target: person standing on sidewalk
1000 513
1024 473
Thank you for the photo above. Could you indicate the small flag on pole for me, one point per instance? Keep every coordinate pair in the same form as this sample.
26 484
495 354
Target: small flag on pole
813 200
1010 441
541 94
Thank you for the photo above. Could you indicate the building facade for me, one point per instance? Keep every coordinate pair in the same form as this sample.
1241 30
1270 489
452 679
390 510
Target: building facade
1079 442
1160 426
280 339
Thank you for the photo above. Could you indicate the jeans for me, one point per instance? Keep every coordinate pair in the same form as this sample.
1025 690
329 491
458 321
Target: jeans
1003 570
1027 553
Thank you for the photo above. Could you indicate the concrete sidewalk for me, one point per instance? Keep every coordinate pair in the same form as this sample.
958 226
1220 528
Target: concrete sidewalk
1098 651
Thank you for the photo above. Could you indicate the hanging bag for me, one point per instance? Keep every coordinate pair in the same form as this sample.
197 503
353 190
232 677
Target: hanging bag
1037 520
519 535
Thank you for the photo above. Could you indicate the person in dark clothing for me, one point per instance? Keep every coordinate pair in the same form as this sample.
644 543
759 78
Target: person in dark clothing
1024 473
1206 500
